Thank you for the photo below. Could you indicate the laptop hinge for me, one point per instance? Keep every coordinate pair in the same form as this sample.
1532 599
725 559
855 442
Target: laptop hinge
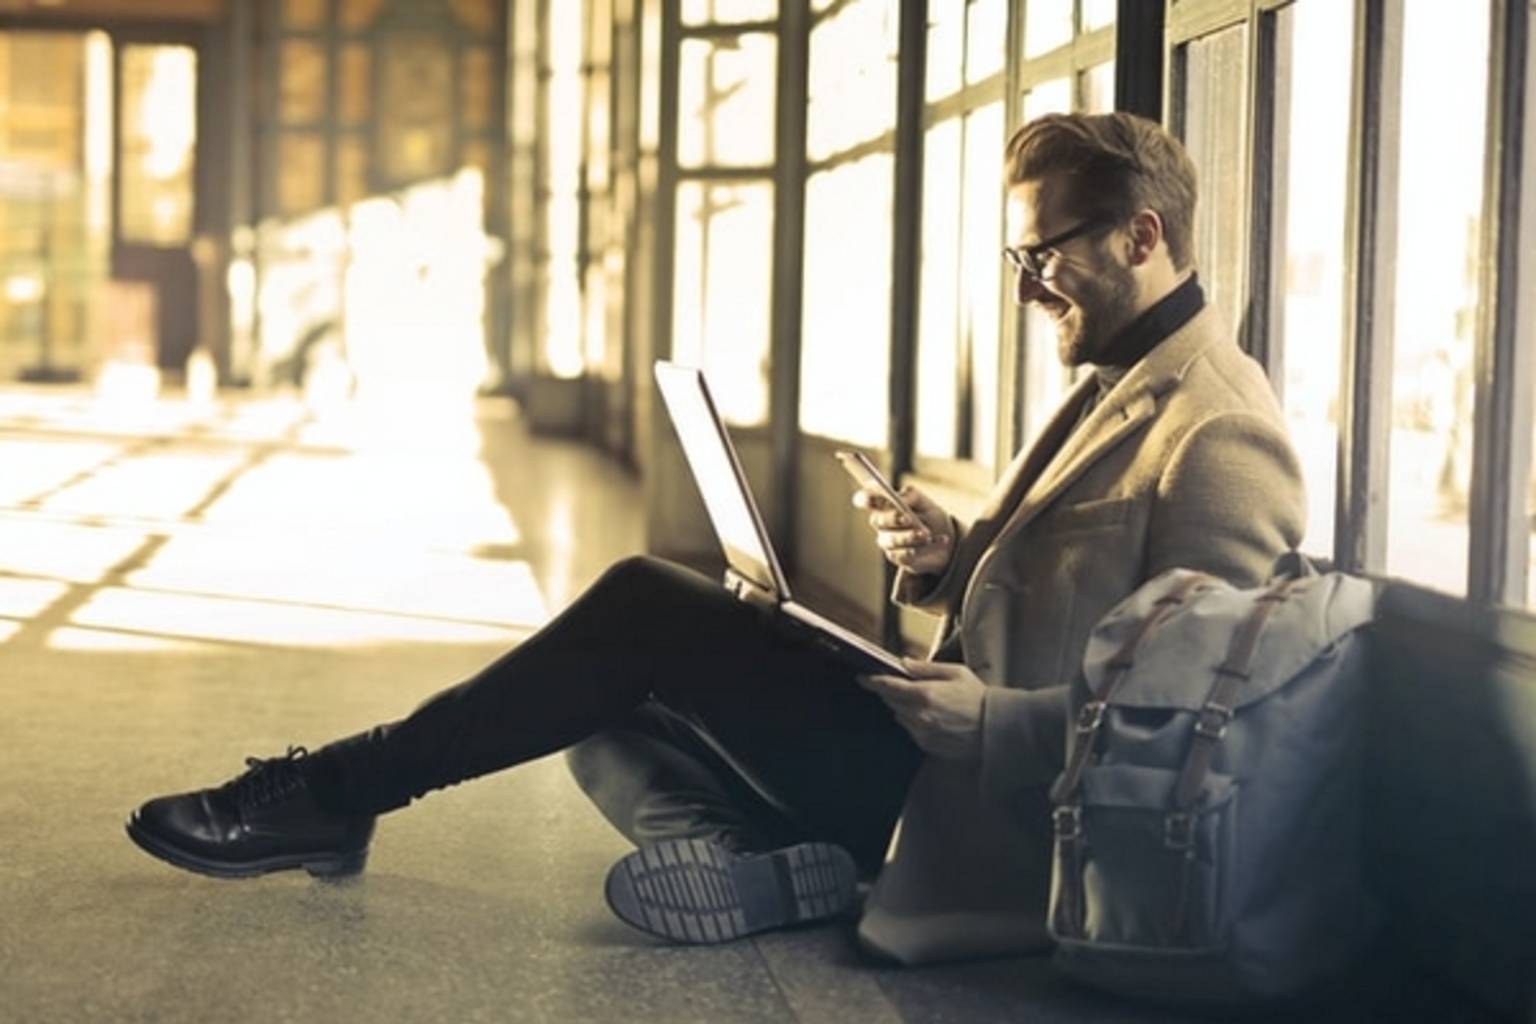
748 591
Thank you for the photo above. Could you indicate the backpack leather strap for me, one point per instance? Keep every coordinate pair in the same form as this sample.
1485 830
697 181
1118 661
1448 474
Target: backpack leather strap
1216 713
1091 715
1067 818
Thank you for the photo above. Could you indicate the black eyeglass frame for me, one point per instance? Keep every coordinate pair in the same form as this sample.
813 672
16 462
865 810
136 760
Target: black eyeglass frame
1028 259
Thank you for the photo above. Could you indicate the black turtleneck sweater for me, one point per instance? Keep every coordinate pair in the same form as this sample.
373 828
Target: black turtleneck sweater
1143 334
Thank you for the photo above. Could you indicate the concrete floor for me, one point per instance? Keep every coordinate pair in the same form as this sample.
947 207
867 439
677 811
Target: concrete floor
182 586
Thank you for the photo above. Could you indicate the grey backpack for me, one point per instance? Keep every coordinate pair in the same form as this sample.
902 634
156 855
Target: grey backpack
1208 823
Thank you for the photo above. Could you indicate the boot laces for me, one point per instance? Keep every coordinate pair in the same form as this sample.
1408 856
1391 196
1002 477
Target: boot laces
266 780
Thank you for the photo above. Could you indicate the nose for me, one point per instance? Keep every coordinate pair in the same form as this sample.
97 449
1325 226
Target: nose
1026 288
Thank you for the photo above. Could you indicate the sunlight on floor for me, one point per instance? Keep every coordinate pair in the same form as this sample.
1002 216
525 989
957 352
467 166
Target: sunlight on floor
174 525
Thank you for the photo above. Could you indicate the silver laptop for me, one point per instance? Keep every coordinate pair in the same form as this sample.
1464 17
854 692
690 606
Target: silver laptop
752 572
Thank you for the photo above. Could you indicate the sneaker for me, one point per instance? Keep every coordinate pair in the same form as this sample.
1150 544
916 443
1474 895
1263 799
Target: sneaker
261 821
695 890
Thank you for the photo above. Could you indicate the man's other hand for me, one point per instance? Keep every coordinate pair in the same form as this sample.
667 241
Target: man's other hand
924 547
940 706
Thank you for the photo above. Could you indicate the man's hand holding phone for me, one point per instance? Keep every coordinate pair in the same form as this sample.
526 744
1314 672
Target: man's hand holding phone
911 529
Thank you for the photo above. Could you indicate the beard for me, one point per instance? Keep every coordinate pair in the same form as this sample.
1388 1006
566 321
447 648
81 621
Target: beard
1105 303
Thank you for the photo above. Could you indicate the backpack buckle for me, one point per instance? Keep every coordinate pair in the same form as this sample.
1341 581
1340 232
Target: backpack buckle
1090 716
1213 721
1179 830
1068 822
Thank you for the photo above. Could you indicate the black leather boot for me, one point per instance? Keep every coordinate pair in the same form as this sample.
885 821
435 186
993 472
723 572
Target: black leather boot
264 820
698 891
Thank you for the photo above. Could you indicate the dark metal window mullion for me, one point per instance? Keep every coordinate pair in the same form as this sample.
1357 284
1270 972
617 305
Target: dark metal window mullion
1360 514
1013 367
1268 159
1504 375
791 112
666 181
906 273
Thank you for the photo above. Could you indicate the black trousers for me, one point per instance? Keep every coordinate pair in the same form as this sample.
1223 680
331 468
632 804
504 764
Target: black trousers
685 713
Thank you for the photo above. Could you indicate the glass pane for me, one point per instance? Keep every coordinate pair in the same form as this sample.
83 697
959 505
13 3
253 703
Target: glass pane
723 275
986 39
351 170
853 77
845 333
1045 379
354 99
1311 188
304 14
562 348
946 48
1216 109
938 337
650 76
416 90
1097 88
1047 25
55 207
1097 14
721 293
1440 194
981 271
159 138
726 101
356 15
476 88
479 16
705 12
1049 97
301 88
300 172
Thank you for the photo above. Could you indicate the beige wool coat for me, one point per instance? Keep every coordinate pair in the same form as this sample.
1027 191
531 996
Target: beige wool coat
1185 462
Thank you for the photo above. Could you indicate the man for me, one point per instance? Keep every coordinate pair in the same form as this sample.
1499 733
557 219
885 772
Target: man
758 777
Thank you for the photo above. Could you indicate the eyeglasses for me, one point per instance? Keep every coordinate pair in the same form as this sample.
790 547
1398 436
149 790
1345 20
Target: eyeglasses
1034 260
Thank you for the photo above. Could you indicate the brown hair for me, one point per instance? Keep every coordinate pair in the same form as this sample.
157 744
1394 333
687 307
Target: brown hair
1117 164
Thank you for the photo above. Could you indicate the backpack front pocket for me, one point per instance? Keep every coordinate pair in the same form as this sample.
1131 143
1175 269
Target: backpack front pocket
1130 872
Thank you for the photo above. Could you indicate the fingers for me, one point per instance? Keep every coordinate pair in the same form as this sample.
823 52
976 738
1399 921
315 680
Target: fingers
897 541
897 693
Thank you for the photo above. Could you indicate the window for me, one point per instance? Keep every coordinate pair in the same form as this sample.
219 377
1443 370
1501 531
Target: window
562 349
723 280
1440 195
1311 178
846 297
699 12
1212 121
726 101
960 294
159 137
723 252
1062 71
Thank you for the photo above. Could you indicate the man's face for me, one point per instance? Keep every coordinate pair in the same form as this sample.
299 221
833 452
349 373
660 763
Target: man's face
1087 291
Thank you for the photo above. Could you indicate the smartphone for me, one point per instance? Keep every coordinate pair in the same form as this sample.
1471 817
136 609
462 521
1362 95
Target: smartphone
864 473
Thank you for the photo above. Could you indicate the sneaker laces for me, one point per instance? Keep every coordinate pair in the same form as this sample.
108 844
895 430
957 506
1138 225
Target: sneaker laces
266 780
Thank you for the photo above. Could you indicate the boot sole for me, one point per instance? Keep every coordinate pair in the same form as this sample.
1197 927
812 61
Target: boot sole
696 891
319 865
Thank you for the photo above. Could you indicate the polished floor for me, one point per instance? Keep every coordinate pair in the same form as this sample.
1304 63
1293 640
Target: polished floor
183 585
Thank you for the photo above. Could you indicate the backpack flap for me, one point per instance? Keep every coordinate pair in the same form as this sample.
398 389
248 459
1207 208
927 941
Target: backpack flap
1176 671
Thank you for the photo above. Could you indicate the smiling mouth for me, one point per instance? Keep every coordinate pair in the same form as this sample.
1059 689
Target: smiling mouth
1056 309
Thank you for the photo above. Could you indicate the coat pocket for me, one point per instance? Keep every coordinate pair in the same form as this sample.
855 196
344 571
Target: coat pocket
1098 514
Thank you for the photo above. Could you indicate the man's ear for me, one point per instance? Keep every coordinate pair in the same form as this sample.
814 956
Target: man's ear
1146 231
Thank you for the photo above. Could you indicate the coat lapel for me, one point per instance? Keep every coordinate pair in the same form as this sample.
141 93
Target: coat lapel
1119 414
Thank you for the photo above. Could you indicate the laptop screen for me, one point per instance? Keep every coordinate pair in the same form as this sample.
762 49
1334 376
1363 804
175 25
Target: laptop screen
718 473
